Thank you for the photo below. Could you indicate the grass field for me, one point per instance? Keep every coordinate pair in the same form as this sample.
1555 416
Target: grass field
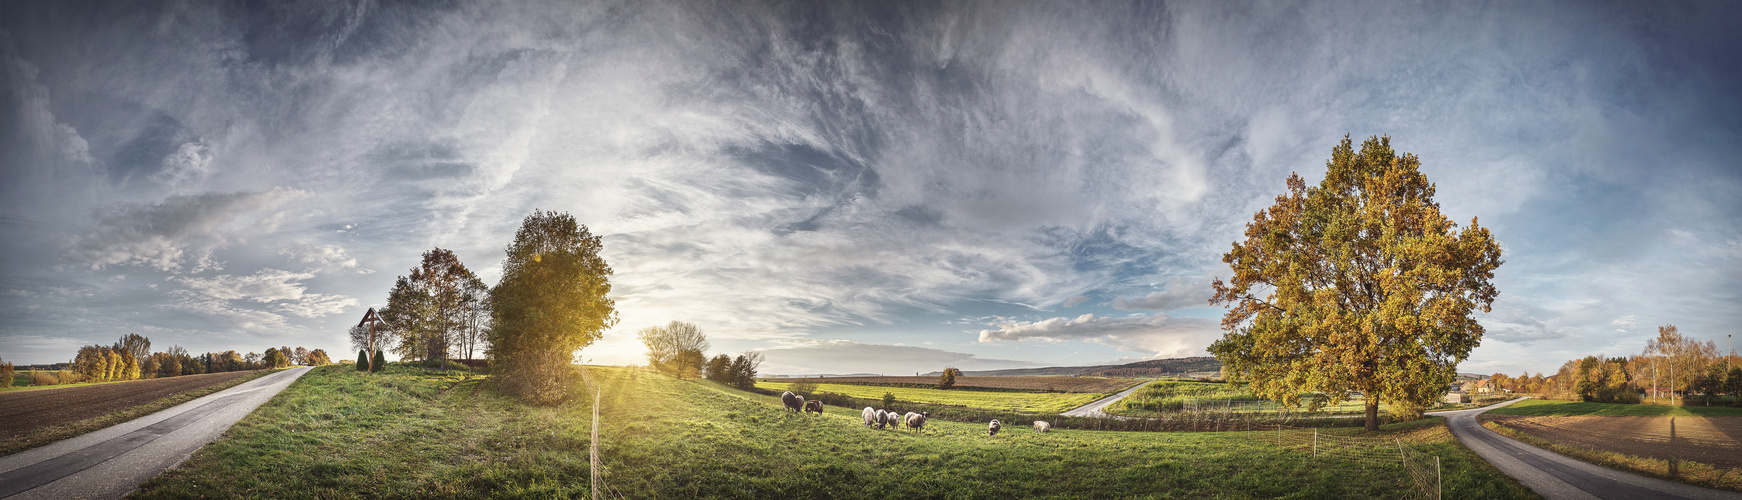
1546 408
1164 397
336 433
1026 402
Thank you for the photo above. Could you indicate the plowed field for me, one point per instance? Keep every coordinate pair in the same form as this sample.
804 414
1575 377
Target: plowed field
1709 440
26 410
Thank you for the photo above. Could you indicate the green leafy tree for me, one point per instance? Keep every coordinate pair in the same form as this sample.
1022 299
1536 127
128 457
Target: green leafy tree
275 358
744 369
888 400
552 301
318 357
362 360
1356 284
948 379
1733 385
719 369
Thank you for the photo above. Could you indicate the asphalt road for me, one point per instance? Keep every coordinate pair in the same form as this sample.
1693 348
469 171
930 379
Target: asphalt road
112 462
1094 409
1556 477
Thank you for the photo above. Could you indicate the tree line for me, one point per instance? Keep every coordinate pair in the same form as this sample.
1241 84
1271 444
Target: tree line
678 348
1670 370
131 358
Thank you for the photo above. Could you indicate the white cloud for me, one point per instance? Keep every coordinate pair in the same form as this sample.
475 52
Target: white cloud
164 235
1075 301
328 256
317 305
1180 294
812 356
264 286
222 310
1158 335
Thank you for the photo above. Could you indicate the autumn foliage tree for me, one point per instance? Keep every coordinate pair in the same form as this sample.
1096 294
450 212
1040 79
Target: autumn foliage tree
1356 284
552 301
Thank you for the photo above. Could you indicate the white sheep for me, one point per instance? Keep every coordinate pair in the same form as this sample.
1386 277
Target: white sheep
873 417
1042 426
992 428
917 421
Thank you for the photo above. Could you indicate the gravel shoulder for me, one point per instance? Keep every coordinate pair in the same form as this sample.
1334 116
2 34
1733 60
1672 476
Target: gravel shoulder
23 411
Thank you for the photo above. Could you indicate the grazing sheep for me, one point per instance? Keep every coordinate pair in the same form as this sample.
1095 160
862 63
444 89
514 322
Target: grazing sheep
884 418
1042 426
992 428
917 421
792 401
813 406
873 417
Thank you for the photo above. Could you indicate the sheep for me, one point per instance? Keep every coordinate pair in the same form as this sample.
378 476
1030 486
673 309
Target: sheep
813 406
792 401
873 417
992 428
884 418
917 421
1042 426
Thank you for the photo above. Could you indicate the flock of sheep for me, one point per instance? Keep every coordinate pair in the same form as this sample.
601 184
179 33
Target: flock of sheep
880 419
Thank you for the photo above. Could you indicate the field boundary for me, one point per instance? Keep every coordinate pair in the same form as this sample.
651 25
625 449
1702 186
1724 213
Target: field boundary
1423 469
601 489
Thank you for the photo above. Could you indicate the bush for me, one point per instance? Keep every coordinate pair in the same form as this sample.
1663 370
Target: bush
6 374
803 388
888 400
379 363
362 360
43 378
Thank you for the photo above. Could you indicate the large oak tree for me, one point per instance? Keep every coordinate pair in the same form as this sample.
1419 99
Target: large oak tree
1356 284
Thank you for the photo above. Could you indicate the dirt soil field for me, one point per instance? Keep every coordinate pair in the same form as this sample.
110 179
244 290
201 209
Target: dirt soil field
1049 384
1709 440
25 410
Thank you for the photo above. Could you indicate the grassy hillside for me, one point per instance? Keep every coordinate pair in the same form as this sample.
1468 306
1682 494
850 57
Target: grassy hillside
1546 408
1012 384
337 433
1026 402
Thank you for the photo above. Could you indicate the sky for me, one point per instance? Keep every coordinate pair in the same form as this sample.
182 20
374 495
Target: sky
848 187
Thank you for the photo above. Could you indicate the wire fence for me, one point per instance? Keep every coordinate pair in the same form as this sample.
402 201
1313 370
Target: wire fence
601 489
1337 450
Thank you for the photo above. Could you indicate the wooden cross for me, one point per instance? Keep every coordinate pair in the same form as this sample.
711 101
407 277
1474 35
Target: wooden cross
372 318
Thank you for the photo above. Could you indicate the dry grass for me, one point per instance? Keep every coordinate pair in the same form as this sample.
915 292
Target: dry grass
1681 471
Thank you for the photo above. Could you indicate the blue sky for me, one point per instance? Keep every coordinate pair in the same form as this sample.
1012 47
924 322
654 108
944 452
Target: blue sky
848 187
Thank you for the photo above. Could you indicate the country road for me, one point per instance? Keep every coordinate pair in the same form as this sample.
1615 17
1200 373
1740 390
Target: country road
1556 477
112 462
1094 409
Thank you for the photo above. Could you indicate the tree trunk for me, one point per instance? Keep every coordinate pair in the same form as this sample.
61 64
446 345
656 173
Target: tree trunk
1372 413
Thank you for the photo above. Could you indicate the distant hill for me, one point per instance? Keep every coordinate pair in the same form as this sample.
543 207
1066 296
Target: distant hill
1202 365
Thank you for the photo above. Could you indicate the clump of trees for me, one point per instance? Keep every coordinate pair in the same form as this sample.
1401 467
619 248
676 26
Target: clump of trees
1671 368
5 373
441 305
675 348
737 372
552 301
1358 284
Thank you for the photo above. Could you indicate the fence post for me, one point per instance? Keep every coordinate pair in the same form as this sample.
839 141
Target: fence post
1315 442
1439 482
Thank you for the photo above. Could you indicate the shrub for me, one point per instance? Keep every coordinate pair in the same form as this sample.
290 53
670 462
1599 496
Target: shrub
6 374
888 400
379 363
43 378
803 388
362 360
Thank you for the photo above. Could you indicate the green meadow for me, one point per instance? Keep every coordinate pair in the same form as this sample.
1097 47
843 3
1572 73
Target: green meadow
406 432
1026 402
